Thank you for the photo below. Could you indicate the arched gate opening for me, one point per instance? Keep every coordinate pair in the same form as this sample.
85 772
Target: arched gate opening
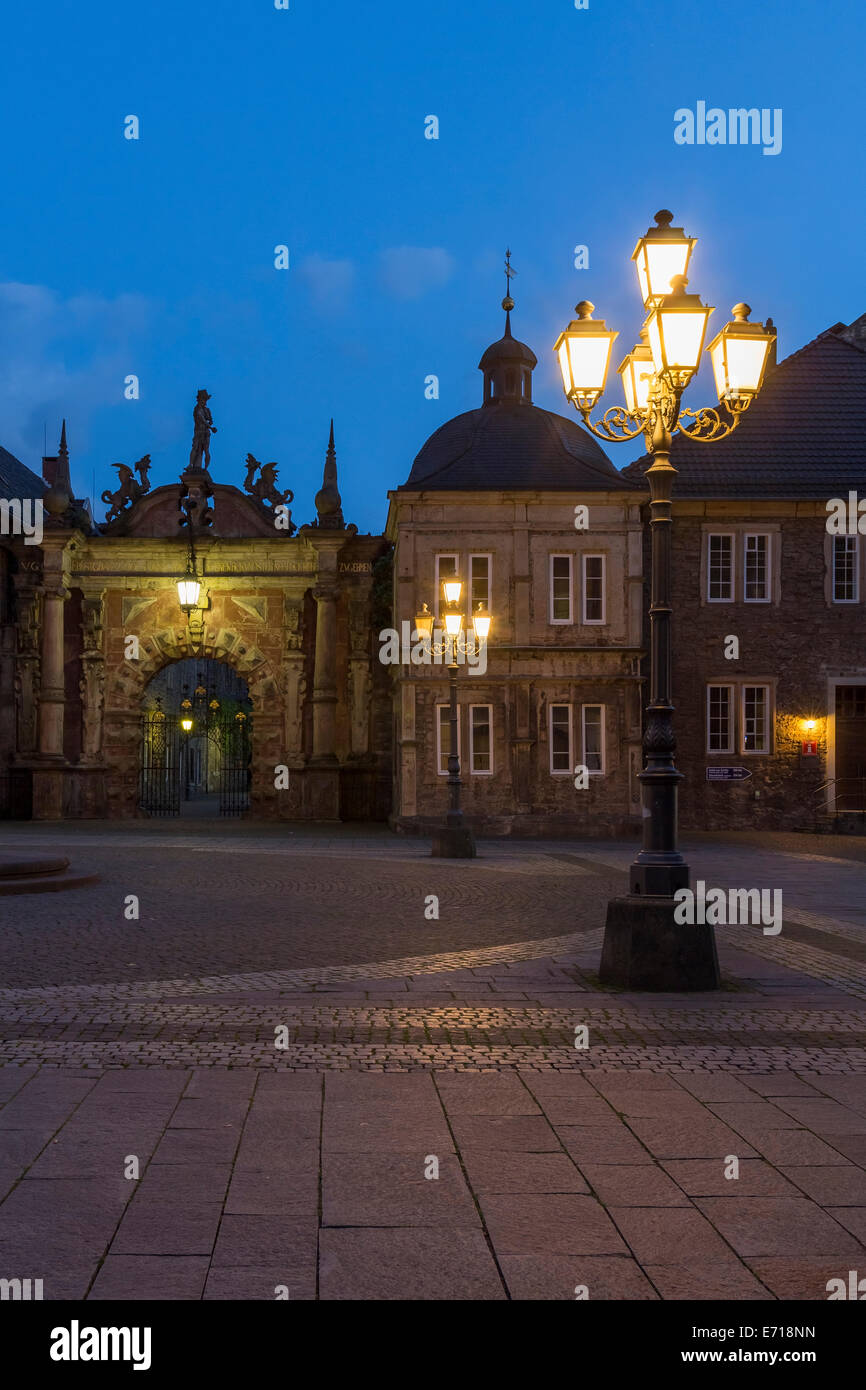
196 741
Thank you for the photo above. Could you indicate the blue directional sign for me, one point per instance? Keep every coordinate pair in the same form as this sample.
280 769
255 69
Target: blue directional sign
727 774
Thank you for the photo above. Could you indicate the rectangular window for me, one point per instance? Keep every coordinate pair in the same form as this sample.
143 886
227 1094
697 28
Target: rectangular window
560 589
443 738
479 576
756 719
756 555
560 738
480 744
845 577
593 737
720 732
593 589
446 568
720 569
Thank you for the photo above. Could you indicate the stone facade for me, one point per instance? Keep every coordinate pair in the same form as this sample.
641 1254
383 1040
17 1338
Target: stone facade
95 615
533 664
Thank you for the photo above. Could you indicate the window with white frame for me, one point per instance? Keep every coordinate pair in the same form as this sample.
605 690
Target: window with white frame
443 738
720 719
479 580
593 589
845 564
756 568
560 738
592 720
756 719
720 568
560 588
481 739
739 718
446 568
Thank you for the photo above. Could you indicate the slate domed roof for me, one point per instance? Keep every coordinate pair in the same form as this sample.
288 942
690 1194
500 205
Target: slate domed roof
513 446
511 443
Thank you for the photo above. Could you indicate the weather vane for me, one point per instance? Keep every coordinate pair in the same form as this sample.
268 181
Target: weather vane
510 272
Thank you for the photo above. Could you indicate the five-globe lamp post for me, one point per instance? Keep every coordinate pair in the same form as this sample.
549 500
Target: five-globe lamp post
455 840
644 946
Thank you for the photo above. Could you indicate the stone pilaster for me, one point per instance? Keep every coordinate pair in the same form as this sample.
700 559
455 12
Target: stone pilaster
92 683
28 602
360 683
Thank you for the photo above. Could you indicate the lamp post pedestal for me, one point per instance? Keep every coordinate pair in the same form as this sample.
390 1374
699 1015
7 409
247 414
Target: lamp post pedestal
645 949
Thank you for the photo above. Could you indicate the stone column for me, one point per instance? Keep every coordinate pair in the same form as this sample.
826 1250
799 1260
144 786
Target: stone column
325 677
49 761
322 798
52 696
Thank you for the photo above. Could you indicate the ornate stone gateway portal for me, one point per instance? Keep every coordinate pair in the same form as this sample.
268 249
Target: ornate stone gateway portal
208 572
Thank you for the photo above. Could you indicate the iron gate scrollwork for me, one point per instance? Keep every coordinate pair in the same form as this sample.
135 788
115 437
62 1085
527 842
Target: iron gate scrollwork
203 754
159 791
234 735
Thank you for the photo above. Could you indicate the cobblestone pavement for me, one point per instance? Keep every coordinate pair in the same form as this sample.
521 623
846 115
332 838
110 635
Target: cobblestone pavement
289 1079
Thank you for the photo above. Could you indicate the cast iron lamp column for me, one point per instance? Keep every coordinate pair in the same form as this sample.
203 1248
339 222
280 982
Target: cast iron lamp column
456 840
644 947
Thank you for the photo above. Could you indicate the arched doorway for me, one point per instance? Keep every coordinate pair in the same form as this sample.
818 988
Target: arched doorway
196 741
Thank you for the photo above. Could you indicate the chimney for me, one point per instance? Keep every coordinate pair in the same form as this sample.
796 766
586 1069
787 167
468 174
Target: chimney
772 355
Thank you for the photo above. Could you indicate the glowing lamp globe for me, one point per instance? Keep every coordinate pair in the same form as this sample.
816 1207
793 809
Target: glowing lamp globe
661 256
739 355
676 329
584 349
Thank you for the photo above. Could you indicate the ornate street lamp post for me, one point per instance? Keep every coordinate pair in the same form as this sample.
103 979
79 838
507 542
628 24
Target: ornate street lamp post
456 840
644 948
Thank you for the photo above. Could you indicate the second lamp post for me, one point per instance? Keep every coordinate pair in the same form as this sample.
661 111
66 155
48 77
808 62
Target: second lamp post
455 840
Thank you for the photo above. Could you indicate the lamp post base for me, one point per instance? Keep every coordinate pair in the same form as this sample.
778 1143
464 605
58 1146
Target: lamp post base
645 949
453 842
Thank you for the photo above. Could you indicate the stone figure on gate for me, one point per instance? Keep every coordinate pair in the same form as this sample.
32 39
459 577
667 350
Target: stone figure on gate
129 490
203 428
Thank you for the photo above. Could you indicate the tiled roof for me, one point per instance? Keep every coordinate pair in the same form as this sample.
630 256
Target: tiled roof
16 479
804 436
513 447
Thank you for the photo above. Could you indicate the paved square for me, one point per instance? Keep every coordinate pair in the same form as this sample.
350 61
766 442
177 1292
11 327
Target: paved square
283 1080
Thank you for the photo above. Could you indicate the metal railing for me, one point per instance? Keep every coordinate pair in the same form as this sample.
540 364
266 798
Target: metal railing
848 795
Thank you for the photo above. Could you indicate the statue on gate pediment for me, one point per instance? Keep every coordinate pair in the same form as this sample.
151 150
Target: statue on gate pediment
203 428
129 491
264 490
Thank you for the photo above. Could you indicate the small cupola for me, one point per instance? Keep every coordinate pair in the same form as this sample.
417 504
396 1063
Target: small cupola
508 364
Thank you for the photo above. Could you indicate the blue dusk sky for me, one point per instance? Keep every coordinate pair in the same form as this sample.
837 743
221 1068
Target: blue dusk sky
306 127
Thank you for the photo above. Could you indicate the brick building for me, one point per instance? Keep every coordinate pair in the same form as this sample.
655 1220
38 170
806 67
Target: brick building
754 561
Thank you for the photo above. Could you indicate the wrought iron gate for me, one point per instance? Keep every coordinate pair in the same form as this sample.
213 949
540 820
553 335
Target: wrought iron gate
159 791
202 754
232 735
